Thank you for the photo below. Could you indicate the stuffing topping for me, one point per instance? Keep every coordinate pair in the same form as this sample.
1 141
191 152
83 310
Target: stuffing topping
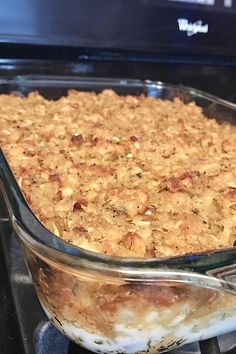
123 175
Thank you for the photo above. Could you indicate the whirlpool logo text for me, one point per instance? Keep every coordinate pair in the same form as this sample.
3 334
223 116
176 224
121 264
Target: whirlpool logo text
192 28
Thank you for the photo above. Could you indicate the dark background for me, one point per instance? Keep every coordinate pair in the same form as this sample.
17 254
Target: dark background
139 25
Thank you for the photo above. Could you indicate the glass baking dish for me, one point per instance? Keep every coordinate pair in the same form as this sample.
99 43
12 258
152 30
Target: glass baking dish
120 305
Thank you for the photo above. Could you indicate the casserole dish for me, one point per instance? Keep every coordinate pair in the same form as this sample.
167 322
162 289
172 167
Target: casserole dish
121 305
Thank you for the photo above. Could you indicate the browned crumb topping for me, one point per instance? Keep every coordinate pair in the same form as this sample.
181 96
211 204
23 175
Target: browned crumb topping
126 176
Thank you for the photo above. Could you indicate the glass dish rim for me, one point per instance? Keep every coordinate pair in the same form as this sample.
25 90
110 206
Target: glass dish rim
51 246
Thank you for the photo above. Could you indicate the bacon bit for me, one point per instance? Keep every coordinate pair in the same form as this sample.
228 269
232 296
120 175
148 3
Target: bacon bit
94 141
173 184
79 165
190 174
134 138
129 239
58 196
82 200
22 170
79 230
29 153
150 253
77 207
231 194
77 139
133 242
186 180
28 198
226 146
55 178
100 170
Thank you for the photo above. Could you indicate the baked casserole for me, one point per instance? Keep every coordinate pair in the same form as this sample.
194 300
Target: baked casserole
133 177
124 175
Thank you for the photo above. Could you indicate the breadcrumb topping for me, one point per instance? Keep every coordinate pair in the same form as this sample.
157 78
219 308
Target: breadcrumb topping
130 176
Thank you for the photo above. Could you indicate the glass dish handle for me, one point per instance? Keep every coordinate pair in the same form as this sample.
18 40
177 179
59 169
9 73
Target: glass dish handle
226 273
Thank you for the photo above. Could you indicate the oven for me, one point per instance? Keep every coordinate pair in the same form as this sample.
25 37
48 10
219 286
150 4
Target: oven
188 43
